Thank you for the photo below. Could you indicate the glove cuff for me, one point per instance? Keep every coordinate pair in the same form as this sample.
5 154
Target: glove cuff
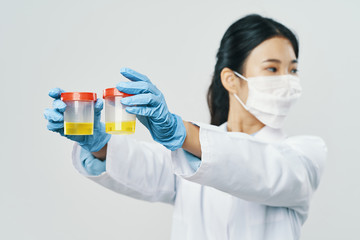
103 140
177 139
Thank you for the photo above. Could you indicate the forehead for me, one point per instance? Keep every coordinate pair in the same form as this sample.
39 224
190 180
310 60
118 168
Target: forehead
273 48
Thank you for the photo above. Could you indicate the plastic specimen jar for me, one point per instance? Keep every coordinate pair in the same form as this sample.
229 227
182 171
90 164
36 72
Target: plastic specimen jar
117 120
79 113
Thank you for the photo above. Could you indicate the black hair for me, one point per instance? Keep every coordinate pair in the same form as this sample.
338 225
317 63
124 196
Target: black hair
236 45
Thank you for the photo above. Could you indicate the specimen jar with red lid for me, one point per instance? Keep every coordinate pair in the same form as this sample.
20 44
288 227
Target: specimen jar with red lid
79 113
117 120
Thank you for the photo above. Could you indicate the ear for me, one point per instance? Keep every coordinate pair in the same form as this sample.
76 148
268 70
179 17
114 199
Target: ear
229 80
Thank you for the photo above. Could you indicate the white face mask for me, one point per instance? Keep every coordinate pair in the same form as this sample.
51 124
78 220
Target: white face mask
271 97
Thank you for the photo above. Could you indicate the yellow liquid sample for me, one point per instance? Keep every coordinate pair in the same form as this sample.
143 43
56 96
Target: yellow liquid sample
78 128
127 127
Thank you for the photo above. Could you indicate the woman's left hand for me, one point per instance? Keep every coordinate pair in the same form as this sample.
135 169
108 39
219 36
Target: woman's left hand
150 107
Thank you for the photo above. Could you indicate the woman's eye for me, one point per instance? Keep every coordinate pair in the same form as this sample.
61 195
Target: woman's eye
294 70
272 69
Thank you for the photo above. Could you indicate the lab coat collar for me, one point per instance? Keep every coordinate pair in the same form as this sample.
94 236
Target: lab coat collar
267 133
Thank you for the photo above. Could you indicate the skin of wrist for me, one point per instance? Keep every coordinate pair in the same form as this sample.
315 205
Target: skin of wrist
192 141
101 154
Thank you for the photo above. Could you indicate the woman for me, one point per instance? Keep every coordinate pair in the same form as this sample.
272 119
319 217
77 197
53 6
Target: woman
239 178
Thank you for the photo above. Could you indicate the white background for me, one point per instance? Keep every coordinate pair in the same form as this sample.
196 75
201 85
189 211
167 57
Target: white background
81 45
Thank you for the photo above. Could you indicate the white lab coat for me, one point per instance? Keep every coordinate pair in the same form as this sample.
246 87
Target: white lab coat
247 187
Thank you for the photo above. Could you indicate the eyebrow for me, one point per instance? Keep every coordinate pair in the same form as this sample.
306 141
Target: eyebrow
278 61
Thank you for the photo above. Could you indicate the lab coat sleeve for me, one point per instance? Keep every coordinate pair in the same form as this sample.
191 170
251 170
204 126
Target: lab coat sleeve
276 174
137 169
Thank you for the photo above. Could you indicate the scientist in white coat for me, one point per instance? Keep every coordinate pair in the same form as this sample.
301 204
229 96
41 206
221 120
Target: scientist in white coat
240 177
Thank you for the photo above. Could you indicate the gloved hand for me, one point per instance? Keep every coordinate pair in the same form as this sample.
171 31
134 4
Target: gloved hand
150 107
55 117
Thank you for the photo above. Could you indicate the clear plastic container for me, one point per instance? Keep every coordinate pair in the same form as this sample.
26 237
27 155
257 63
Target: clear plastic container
79 113
117 120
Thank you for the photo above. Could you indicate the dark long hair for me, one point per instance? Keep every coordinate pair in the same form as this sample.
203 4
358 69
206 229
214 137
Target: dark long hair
237 43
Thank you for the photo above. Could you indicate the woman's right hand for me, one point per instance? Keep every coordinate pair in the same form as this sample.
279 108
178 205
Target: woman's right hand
55 117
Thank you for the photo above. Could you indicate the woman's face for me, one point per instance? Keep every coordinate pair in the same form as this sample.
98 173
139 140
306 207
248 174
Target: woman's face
274 56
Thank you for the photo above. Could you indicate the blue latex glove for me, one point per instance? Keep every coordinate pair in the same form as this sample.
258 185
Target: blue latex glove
150 107
92 165
55 117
